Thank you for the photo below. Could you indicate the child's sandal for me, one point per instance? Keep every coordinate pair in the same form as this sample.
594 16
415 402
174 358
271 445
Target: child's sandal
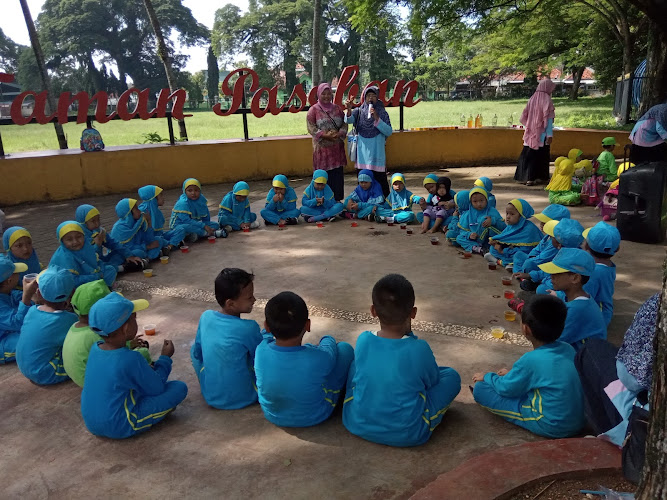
516 305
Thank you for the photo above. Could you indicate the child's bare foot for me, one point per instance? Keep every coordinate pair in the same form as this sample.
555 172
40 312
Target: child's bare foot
423 230
432 230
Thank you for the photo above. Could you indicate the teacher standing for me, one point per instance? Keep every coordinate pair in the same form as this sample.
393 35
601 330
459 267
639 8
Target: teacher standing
326 123
538 118
373 126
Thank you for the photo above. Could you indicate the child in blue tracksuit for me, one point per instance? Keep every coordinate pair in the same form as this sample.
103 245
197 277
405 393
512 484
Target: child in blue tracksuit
134 232
298 385
542 391
117 255
18 246
14 305
602 242
479 223
486 184
570 271
40 344
152 199
235 213
122 395
223 354
544 251
462 200
366 199
317 202
396 392
399 203
191 212
280 205
78 257
519 234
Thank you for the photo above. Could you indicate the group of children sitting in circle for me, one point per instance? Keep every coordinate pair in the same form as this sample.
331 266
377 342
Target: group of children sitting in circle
238 363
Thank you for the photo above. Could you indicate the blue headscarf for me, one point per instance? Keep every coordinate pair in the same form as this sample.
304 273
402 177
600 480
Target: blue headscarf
126 226
8 239
281 181
82 215
84 261
365 125
399 200
524 232
231 204
472 220
462 199
196 209
319 176
485 182
149 205
372 193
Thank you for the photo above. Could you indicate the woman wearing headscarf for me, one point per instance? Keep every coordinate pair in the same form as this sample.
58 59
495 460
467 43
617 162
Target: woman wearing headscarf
538 119
373 126
326 123
649 135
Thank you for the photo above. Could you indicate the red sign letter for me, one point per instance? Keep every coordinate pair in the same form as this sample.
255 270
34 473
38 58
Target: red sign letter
348 76
84 100
237 93
297 93
401 87
140 109
38 112
179 96
272 104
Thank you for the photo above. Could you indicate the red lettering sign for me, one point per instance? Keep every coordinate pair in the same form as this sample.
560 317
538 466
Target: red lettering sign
246 79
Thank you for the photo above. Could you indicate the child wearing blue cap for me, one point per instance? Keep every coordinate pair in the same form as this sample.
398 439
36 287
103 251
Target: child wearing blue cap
570 271
542 391
14 305
317 202
545 251
280 205
298 385
235 214
519 234
122 395
396 392
602 242
40 345
223 353
18 246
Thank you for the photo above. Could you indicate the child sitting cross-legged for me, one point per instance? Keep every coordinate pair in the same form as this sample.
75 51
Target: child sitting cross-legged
40 345
152 198
133 230
223 354
480 221
318 202
486 184
191 213
122 395
81 338
280 205
542 391
366 198
545 251
298 385
438 207
396 392
234 213
399 202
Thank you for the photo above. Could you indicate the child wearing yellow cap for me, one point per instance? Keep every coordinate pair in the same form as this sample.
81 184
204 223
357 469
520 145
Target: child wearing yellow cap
18 245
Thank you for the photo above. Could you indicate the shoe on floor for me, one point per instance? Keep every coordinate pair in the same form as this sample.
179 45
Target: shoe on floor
254 225
191 238
490 258
132 267
166 251
228 228
221 233
349 215
291 221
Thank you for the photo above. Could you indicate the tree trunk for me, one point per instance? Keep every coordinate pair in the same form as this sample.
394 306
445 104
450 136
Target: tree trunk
166 58
94 73
577 73
317 64
655 86
653 485
39 56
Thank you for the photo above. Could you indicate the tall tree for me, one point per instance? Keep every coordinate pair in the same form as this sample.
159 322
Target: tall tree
213 81
9 54
39 56
317 61
165 56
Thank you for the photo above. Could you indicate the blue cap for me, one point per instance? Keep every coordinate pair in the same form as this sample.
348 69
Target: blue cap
553 212
603 238
111 312
568 233
55 284
7 267
570 260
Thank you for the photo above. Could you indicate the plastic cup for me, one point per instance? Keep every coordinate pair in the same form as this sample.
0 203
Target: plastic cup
510 315
164 259
211 239
403 226
390 221
246 229
320 224
354 224
434 240
185 249
29 278
149 329
507 281
148 273
498 332
492 266
408 231
281 226
509 294
467 255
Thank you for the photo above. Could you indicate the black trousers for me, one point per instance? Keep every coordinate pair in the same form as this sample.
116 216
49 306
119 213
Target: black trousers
596 364
640 154
381 177
336 179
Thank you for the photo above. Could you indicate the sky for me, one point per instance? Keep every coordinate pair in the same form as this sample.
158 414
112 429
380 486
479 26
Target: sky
13 24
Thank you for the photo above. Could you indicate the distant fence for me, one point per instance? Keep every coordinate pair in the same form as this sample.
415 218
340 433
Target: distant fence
629 91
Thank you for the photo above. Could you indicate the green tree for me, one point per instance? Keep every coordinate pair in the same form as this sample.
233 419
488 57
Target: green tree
9 54
213 81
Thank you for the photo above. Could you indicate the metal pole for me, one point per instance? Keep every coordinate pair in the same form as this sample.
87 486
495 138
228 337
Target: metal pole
400 108
89 122
2 148
246 136
171 129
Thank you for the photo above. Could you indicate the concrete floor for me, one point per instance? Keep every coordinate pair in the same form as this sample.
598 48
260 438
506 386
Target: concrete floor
201 452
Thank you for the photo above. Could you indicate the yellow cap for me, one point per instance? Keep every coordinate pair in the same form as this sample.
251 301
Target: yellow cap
93 212
139 305
549 227
19 233
20 267
542 218
551 268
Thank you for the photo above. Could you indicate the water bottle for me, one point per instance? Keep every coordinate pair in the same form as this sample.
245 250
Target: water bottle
510 120
463 120
494 122
481 120
470 121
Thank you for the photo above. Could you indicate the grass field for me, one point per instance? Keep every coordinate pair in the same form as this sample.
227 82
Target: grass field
588 112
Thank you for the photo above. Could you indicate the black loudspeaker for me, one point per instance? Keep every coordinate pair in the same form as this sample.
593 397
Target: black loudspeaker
642 203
